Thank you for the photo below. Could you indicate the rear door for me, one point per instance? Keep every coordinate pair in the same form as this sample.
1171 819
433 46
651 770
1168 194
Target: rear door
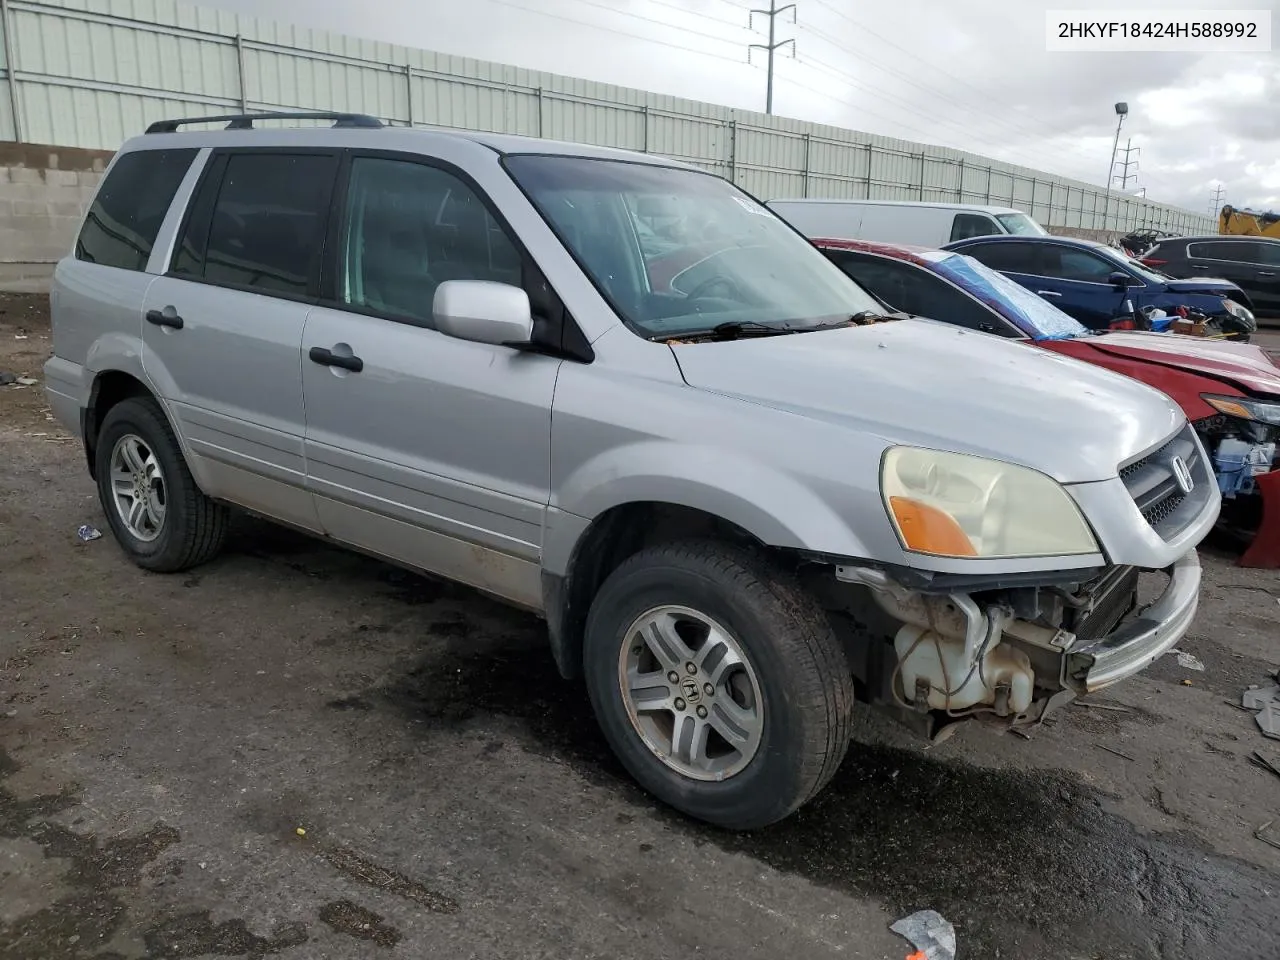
223 328
435 451
1251 264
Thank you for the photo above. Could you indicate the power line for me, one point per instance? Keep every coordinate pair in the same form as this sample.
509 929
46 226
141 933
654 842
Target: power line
655 20
985 95
773 45
621 33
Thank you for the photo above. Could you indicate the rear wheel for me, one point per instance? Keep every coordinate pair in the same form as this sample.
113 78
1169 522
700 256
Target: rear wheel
156 511
718 682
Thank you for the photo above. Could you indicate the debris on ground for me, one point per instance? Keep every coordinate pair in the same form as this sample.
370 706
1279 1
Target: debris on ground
87 533
1265 704
1266 834
1115 752
930 933
1187 660
7 378
27 381
1259 759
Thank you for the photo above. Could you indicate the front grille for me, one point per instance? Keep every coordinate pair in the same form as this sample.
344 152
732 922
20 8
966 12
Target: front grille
1151 482
1116 597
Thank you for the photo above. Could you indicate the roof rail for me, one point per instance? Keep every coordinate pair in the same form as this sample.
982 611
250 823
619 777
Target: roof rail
244 121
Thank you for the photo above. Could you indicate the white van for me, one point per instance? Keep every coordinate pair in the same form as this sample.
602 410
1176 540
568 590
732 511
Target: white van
901 221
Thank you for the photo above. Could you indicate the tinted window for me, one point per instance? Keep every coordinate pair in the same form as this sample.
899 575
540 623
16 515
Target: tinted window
266 227
410 227
966 225
1238 250
915 290
1068 263
121 226
1267 253
1009 257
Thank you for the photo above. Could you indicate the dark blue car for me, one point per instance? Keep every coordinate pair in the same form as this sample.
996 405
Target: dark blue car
1091 281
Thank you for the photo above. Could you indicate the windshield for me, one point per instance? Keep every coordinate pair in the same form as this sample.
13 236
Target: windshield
678 252
1032 314
1021 225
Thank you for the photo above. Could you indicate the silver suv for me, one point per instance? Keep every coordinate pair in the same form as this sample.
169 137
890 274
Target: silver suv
618 391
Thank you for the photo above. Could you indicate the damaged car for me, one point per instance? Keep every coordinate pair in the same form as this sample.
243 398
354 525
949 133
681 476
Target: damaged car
1229 391
742 498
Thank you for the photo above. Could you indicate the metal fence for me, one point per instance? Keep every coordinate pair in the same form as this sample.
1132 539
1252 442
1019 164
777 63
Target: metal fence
89 73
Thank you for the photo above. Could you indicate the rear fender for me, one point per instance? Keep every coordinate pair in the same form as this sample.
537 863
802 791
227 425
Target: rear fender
1264 551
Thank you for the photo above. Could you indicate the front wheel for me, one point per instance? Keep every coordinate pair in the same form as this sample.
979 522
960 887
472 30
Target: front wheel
718 682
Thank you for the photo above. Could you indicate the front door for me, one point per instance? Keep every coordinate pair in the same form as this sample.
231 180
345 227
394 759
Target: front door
423 448
223 328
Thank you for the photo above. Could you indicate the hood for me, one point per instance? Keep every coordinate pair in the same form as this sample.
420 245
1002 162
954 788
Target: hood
1244 365
1212 285
935 385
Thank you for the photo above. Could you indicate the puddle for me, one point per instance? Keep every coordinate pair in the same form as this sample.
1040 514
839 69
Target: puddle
99 872
1025 863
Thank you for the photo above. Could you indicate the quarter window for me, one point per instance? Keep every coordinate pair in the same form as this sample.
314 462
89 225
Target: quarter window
125 217
267 224
410 227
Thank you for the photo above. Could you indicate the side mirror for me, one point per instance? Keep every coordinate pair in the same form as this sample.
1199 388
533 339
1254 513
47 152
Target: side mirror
1119 280
483 311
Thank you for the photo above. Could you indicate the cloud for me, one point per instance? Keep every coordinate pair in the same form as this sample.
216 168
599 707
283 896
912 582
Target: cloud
972 75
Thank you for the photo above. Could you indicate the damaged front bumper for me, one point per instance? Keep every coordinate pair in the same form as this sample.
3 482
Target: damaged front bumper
1140 641
960 653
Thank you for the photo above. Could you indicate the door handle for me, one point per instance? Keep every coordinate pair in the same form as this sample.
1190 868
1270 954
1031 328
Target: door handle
1266 273
1048 293
327 358
162 319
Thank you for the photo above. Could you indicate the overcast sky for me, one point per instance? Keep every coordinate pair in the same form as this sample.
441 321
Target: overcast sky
970 74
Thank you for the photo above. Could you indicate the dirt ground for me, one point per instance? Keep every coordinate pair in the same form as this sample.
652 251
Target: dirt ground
300 753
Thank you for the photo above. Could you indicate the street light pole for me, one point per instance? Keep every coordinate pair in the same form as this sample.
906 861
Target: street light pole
1122 110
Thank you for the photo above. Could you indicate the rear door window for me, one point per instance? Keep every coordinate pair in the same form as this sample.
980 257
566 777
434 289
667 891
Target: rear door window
264 230
125 217
1239 251
966 225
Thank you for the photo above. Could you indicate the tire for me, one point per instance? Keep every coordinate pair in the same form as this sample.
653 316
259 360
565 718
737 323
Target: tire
191 528
792 657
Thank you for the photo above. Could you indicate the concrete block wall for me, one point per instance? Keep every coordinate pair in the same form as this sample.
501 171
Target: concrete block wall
44 192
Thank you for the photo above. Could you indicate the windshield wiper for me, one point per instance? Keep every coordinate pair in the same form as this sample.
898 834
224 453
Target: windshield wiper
861 318
733 329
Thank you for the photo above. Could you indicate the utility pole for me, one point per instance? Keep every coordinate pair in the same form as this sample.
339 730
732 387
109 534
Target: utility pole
773 44
1122 110
1215 204
1127 163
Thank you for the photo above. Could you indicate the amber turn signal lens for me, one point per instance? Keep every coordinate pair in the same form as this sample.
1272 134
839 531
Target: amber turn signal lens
927 529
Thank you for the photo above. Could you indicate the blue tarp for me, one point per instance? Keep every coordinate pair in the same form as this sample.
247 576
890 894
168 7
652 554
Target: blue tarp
1031 314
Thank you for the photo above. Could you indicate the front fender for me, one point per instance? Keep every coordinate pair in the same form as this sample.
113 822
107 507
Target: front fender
773 507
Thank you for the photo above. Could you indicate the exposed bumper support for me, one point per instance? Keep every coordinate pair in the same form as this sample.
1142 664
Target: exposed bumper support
1145 637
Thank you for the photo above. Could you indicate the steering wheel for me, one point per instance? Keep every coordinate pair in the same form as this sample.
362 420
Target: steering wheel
704 290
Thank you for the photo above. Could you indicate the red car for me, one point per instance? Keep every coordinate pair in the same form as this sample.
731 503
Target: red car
1230 391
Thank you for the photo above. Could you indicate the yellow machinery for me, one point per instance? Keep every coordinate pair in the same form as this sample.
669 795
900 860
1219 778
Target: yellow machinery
1246 223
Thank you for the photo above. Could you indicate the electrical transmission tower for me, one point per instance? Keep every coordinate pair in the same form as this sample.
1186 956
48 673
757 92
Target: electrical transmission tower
1215 204
1126 163
774 44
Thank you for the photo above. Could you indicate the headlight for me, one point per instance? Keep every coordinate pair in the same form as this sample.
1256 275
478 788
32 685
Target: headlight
1264 411
1241 312
954 505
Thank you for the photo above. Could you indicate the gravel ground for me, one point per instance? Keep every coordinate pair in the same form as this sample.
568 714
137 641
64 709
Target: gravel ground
297 752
